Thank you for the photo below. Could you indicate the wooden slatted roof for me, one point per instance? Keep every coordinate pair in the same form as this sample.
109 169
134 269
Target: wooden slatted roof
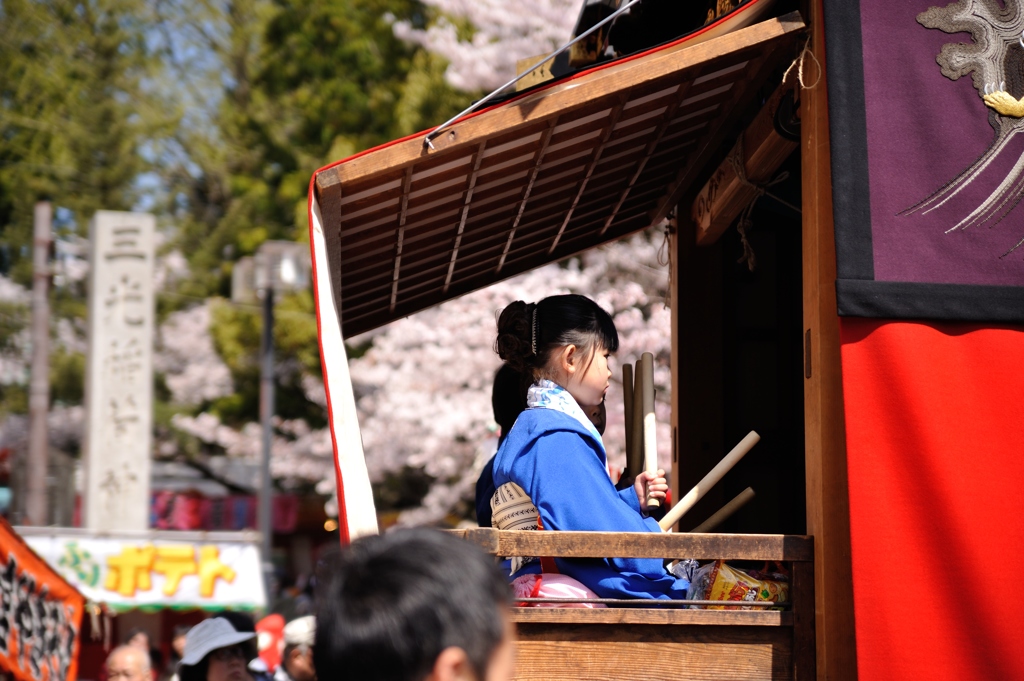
536 179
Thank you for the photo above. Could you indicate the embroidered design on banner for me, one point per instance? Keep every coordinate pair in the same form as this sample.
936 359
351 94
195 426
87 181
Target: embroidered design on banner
996 61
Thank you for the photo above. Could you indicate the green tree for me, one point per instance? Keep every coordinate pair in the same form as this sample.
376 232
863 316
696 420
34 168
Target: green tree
77 112
326 79
81 119
236 334
308 82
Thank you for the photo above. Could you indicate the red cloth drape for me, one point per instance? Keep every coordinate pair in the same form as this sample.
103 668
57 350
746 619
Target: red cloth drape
935 445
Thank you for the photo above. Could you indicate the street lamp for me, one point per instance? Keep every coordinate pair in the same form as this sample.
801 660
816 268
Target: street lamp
277 267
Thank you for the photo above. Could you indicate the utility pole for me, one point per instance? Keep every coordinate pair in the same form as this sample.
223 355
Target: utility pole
266 416
39 387
277 267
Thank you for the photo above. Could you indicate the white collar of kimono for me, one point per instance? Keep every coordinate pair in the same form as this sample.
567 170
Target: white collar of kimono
546 394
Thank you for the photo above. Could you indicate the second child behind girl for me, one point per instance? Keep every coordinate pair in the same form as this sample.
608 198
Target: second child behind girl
556 456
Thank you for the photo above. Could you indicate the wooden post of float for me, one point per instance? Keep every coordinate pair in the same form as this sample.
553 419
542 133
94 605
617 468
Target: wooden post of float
828 504
627 408
650 424
636 435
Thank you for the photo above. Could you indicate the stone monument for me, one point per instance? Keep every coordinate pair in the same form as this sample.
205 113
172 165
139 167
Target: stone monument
119 371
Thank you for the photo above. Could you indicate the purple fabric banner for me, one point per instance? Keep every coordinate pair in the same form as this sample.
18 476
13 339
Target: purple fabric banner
923 131
928 171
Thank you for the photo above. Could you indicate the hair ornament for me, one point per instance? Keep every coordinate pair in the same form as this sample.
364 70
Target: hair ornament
533 330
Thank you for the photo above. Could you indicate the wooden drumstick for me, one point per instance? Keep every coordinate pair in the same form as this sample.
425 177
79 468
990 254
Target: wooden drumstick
709 481
636 435
627 408
650 424
723 514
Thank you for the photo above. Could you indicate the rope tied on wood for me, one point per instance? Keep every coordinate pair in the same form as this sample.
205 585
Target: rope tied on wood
736 157
798 63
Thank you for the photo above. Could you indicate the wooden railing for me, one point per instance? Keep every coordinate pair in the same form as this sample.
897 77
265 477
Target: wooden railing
663 643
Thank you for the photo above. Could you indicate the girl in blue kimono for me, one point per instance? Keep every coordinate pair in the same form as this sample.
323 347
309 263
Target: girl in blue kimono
554 455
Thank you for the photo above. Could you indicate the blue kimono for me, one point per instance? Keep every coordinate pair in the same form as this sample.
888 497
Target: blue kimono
562 467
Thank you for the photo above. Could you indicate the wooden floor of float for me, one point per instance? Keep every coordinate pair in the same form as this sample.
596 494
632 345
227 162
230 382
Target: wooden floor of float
653 644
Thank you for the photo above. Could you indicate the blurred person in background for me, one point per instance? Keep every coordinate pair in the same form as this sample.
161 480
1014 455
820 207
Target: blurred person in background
177 651
297 660
215 651
270 639
128 663
139 638
244 623
178 642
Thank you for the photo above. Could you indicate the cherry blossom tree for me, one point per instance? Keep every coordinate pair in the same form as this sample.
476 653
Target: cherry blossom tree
14 334
423 383
482 39
423 387
193 371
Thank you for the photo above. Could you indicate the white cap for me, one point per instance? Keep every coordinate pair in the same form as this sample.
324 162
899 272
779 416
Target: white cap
300 632
209 635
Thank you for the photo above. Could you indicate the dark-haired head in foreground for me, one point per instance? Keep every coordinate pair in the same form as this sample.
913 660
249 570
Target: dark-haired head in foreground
414 605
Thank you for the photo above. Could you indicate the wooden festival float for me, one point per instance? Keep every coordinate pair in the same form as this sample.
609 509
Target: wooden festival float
691 133
559 168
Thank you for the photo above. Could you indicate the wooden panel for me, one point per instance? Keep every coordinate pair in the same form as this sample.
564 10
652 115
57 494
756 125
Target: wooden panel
652 616
360 191
471 185
564 135
802 593
508 161
583 235
489 186
724 196
697 332
718 132
370 317
660 660
674 355
371 199
613 118
683 633
641 545
828 517
384 214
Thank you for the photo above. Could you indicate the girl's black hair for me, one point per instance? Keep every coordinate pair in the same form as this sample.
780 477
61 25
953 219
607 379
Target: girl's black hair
508 398
529 332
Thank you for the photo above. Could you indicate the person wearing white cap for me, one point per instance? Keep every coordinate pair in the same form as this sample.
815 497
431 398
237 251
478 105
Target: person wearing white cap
213 652
297 659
